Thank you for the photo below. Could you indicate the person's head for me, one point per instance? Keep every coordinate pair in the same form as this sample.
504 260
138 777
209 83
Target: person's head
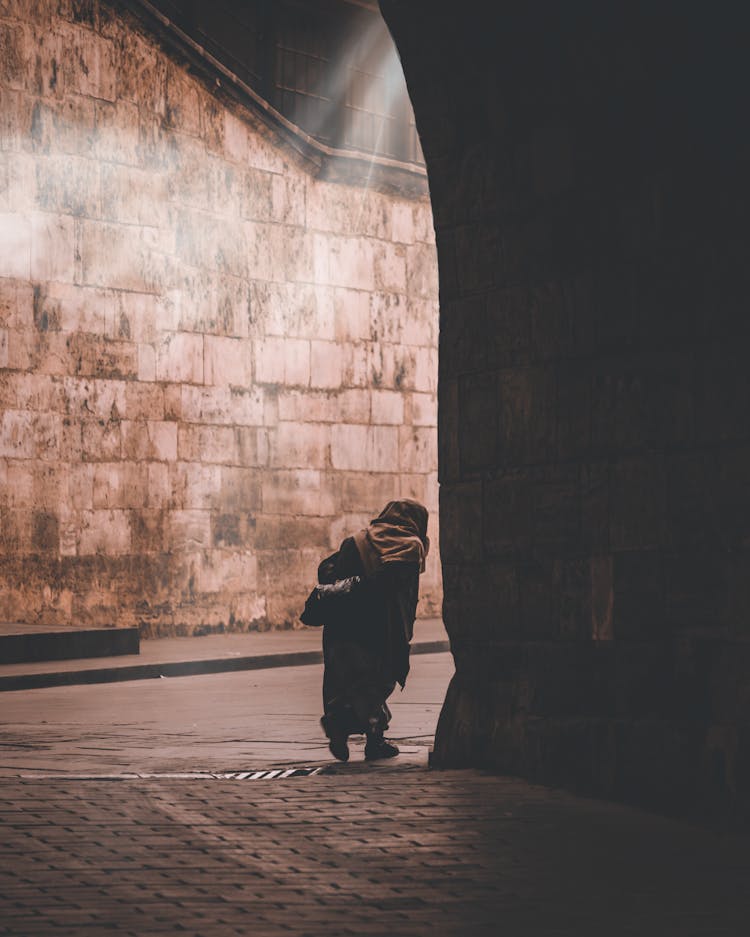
408 515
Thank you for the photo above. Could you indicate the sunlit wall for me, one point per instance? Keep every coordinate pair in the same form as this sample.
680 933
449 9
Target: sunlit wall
214 365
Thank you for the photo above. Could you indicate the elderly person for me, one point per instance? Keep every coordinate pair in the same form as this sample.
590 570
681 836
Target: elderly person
365 658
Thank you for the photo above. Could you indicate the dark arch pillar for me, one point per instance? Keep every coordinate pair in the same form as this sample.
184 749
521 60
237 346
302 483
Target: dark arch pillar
588 167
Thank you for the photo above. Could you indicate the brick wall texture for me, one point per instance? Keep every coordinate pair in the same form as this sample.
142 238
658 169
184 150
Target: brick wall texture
214 365
587 169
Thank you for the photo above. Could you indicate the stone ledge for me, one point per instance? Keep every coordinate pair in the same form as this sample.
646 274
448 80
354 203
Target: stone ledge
27 643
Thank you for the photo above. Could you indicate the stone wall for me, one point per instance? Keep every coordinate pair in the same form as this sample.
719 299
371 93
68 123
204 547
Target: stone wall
588 173
213 365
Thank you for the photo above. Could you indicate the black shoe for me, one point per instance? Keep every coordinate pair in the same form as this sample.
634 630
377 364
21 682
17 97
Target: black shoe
337 741
339 747
379 748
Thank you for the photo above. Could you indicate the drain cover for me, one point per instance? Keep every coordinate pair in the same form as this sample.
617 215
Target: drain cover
265 774
275 774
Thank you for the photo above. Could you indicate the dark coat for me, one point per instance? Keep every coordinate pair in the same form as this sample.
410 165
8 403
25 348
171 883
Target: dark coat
386 624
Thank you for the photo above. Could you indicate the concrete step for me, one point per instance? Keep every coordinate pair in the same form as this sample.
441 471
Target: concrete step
183 657
20 643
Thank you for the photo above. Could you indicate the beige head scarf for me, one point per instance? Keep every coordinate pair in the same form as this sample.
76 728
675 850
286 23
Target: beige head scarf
397 535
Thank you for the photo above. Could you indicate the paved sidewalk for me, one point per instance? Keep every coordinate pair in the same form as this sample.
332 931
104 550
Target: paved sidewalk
218 653
216 723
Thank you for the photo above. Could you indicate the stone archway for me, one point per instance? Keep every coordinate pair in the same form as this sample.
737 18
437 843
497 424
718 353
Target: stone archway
585 167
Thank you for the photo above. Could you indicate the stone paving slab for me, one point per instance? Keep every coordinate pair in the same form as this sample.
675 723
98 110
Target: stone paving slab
176 657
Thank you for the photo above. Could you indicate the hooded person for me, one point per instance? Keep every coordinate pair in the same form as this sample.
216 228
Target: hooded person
366 657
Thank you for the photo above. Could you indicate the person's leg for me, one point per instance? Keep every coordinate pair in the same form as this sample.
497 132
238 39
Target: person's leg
335 719
338 738
376 746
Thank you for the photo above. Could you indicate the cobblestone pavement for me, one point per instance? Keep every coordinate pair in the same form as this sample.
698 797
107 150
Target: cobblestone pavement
390 848
400 851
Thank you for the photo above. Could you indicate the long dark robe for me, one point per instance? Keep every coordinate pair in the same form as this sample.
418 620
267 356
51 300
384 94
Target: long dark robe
365 658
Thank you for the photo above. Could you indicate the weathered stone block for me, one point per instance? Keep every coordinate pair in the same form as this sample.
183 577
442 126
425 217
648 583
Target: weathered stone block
526 415
89 63
368 492
637 501
147 531
45 534
390 268
189 485
141 72
179 358
307 407
352 312
369 448
574 410
189 530
288 492
159 486
555 516
638 606
425 370
287 533
325 364
387 406
92 356
219 444
227 361
15 246
417 449
120 485
121 256
477 421
297 310
354 406
381 367
461 522
98 440
420 261
182 102
120 136
695 590
68 126
13 55
236 405
389 313
402 222
240 489
236 138
146 363
507 506
351 263
299 445
288 194
149 440
105 532
132 196
67 185
282 362
16 435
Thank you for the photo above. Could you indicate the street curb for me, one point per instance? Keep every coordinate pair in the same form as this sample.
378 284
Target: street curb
186 668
